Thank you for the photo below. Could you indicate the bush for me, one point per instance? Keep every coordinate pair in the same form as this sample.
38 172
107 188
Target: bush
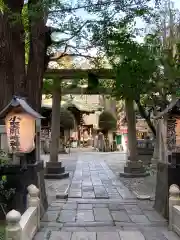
107 121
5 193
67 120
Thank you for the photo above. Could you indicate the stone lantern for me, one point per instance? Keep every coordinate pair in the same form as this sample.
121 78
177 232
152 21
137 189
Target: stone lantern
22 124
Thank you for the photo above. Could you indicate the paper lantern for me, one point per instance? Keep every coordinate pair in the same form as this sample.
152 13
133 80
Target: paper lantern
20 128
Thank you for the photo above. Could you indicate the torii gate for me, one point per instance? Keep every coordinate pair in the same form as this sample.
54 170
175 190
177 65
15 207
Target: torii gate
69 74
53 168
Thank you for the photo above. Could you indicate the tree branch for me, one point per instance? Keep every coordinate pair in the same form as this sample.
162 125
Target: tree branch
95 5
60 55
146 117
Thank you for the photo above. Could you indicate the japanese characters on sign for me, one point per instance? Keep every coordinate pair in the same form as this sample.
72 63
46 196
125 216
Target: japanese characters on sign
20 128
14 132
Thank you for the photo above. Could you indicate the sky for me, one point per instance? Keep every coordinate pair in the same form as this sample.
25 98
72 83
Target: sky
139 22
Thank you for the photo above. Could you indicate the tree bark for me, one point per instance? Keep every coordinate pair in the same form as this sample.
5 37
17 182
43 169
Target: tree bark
131 123
37 54
6 62
55 124
18 49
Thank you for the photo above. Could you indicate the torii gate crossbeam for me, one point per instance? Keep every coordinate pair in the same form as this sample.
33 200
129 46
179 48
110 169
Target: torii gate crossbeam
69 74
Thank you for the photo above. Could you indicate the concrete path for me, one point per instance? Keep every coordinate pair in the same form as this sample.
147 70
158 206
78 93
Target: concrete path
100 207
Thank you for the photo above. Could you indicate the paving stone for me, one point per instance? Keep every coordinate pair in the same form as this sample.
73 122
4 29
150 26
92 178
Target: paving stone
133 209
88 195
70 206
83 236
97 183
67 216
85 215
57 204
153 216
116 210
139 219
54 208
60 235
125 194
41 236
50 216
103 229
115 207
76 185
100 205
154 235
146 205
120 216
51 224
85 206
87 189
102 196
89 224
75 194
73 229
108 236
117 196
46 228
102 214
127 235
86 184
170 235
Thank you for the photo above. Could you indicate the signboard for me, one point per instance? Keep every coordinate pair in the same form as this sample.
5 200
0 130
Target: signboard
20 128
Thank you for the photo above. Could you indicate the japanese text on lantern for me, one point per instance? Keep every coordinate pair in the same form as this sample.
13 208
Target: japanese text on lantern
14 132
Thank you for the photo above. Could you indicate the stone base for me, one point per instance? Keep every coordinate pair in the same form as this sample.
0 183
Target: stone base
154 162
134 175
62 196
54 170
134 170
20 179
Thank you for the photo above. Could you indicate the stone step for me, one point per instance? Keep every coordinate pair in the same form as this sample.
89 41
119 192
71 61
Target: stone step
110 200
106 235
56 176
53 170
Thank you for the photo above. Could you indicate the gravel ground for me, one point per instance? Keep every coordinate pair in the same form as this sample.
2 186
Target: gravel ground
142 186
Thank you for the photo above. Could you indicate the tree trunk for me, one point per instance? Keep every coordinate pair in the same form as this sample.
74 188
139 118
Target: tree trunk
55 127
18 49
37 55
144 115
154 160
6 62
131 123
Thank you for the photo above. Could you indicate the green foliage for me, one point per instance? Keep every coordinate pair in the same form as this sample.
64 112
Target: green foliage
133 63
107 121
47 86
5 194
67 120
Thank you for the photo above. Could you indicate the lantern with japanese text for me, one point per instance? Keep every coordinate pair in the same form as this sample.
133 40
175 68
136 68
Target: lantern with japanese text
20 121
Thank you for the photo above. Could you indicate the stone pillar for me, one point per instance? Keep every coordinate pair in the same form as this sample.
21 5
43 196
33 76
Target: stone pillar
133 167
34 201
174 199
13 228
54 169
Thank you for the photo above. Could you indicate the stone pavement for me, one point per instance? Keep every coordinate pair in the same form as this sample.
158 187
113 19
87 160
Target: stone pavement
100 207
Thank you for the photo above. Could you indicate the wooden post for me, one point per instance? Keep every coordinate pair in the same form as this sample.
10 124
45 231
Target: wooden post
174 199
13 228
